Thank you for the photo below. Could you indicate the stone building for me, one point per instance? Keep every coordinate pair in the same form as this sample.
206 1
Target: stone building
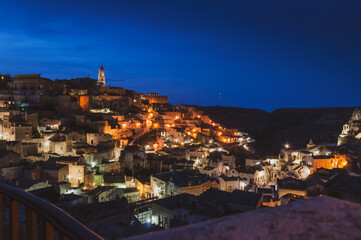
33 87
55 173
94 139
351 132
173 183
155 98
9 158
291 185
18 126
328 162
180 153
232 183
182 209
232 202
104 194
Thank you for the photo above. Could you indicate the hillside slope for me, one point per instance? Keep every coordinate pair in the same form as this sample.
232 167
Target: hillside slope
286 125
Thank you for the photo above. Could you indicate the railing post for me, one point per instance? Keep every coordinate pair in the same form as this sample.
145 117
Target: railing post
62 236
49 231
1 217
31 224
14 219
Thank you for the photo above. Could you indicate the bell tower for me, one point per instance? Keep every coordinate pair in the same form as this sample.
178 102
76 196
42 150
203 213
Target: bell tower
101 77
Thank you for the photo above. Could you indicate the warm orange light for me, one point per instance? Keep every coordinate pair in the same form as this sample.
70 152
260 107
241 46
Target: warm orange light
83 102
124 125
198 116
176 117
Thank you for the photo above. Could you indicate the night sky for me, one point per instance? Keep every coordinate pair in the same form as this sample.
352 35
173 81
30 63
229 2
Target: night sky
257 54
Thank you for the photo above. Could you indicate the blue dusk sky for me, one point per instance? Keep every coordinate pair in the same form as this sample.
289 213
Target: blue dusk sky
253 54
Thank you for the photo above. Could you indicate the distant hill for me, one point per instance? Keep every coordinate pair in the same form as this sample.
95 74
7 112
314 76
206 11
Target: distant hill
285 125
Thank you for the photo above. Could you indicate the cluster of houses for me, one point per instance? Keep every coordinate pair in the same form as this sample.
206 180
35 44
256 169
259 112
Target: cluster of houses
108 151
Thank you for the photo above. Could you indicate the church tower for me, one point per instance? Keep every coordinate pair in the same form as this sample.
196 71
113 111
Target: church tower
101 77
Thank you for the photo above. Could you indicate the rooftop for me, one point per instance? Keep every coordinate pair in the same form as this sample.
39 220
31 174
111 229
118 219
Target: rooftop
99 190
322 157
130 190
345 183
225 178
184 178
53 166
70 159
244 198
113 179
291 183
188 201
248 170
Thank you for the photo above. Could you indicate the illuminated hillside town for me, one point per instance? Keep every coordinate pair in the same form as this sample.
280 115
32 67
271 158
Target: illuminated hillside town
125 163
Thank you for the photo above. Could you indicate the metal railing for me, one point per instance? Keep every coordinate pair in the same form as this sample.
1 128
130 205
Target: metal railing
43 220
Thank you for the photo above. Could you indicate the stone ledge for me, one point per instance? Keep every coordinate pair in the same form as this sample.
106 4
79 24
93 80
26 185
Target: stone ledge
316 218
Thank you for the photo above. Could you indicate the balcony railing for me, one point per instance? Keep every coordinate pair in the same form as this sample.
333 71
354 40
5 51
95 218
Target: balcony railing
42 219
